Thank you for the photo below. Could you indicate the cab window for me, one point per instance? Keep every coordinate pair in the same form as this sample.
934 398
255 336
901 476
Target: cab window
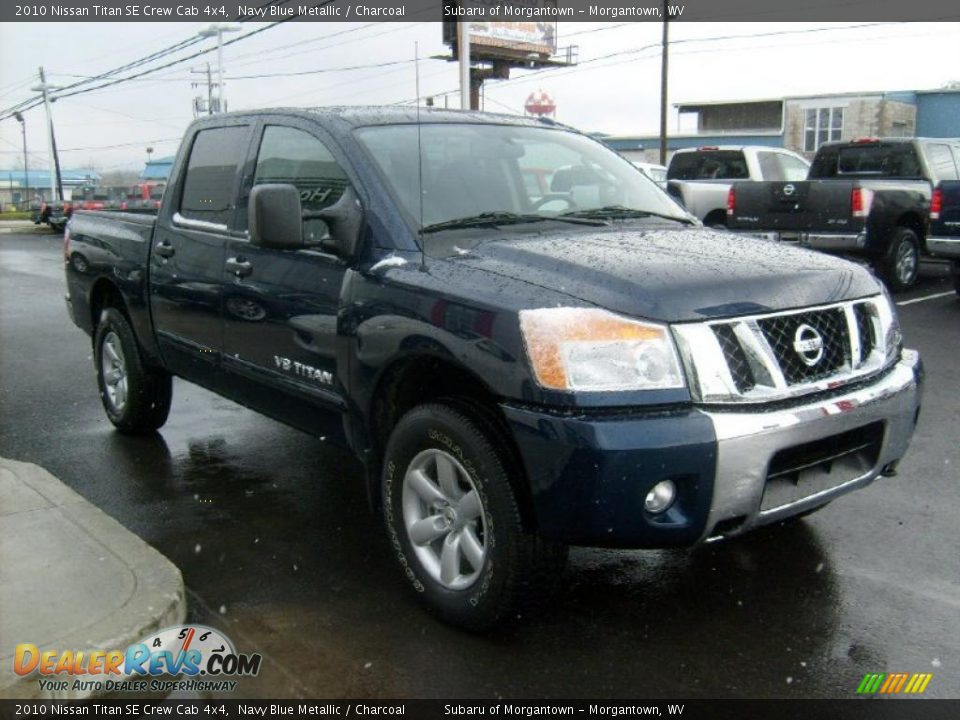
293 157
209 186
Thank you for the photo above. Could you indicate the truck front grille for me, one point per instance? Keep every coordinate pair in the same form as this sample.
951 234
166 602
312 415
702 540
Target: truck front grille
831 326
783 355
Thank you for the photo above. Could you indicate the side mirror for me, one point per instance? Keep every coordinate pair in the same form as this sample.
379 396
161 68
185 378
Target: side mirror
275 217
344 218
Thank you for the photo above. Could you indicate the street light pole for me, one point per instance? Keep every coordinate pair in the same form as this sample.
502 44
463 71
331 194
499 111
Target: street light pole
664 53
26 171
463 50
56 182
217 30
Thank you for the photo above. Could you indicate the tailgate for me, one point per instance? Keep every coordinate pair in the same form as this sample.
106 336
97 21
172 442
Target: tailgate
948 224
804 206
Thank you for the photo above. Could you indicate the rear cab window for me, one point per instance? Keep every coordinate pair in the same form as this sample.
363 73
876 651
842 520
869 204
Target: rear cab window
708 165
897 160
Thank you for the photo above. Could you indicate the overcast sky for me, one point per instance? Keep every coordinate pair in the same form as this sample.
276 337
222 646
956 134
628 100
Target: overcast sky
619 94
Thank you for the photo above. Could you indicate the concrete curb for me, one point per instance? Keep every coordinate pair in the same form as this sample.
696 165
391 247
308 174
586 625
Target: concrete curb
23 227
72 578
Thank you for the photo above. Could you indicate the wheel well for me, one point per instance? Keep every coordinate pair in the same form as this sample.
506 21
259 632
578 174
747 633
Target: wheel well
103 295
912 221
426 378
716 217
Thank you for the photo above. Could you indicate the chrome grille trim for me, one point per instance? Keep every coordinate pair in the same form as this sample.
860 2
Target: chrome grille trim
866 328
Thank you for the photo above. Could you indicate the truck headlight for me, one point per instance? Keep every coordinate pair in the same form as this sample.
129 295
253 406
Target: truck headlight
890 326
588 349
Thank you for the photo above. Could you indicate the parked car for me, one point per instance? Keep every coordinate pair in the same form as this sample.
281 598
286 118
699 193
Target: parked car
657 173
700 178
514 379
53 213
944 238
868 198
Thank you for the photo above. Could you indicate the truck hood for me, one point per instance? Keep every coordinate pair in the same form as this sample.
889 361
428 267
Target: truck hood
673 275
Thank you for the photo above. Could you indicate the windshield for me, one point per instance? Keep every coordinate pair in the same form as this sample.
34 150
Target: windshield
507 170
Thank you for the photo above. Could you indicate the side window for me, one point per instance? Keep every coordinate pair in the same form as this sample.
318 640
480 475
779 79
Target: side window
941 162
208 189
770 166
793 168
294 157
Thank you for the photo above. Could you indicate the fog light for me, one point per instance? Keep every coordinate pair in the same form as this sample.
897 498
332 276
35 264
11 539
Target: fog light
660 497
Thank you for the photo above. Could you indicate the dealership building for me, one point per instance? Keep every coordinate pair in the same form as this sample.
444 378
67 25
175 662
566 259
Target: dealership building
803 123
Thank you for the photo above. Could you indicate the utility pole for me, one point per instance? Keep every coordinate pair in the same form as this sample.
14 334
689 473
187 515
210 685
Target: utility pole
26 172
217 30
663 85
197 102
56 182
463 49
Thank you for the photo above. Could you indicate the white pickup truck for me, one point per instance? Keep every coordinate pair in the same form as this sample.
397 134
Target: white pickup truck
700 178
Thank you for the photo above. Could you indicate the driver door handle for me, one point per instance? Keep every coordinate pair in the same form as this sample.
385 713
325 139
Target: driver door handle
239 267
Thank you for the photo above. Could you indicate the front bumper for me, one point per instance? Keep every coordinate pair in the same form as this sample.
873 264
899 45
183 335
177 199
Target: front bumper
945 247
589 474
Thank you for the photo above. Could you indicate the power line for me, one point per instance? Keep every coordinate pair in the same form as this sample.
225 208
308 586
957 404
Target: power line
78 86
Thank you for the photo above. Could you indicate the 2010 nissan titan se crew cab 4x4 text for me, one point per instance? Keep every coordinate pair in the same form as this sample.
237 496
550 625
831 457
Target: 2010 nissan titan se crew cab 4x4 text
527 343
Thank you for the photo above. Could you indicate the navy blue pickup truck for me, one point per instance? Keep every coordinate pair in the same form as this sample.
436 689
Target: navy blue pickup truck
944 239
526 342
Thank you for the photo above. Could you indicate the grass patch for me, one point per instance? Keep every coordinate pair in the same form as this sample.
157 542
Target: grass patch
24 215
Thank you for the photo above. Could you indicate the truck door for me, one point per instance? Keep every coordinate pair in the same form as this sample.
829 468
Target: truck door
280 306
186 261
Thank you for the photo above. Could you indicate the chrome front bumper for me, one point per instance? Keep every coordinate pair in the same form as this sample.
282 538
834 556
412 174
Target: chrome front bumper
945 247
748 441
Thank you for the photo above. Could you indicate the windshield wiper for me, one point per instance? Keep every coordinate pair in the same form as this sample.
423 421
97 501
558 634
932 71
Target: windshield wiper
619 212
493 219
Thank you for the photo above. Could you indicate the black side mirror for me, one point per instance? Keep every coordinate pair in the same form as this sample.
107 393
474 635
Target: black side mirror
275 217
344 219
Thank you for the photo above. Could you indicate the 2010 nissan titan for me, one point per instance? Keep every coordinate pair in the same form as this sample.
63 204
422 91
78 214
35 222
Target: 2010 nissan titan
526 342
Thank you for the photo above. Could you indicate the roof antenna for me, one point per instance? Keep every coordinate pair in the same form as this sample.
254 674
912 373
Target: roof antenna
422 238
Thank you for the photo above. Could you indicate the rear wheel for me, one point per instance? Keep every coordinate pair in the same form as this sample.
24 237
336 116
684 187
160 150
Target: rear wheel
136 398
454 521
901 265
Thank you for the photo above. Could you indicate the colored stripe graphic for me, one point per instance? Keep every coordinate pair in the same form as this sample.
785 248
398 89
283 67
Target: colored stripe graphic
870 683
894 683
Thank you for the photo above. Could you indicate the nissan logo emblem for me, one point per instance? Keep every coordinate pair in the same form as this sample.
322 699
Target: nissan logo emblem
788 190
808 344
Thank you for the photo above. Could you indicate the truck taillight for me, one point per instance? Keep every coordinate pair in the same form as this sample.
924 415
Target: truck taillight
936 204
861 200
731 201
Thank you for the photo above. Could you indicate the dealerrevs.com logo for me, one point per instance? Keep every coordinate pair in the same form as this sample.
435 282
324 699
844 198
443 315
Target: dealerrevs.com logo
183 657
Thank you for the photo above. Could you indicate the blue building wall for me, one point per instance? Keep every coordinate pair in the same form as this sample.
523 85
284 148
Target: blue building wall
158 169
938 114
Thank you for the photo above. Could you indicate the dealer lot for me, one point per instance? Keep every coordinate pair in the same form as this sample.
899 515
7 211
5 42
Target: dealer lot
271 532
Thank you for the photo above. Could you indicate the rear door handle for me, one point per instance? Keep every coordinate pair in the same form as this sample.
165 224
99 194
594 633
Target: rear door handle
240 268
164 249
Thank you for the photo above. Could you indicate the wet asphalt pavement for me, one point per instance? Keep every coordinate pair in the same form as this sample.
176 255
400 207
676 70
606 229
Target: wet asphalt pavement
277 548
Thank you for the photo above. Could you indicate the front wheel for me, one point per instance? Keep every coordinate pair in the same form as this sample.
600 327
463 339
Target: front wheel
136 398
454 521
901 265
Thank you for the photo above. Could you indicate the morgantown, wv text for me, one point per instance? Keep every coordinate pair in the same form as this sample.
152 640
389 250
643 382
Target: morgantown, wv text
509 710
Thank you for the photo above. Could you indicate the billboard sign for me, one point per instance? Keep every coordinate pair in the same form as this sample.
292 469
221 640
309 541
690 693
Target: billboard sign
526 37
